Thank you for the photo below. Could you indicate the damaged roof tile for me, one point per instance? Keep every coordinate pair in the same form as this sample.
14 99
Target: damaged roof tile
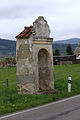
25 33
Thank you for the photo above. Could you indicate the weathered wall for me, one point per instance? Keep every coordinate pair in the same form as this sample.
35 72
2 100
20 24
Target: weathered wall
38 44
25 74
41 28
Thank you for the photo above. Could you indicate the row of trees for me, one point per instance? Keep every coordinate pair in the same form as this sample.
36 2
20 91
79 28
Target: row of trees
68 51
9 60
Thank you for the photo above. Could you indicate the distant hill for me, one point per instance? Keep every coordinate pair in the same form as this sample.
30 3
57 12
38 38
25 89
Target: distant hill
8 47
62 44
62 47
68 41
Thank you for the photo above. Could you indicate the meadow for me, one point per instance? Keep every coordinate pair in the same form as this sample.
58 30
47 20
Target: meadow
11 101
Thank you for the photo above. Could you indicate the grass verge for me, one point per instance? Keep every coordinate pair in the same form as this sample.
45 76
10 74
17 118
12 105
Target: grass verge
11 101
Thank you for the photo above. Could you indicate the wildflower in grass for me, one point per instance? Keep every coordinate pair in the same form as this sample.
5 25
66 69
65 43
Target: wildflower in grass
13 105
25 99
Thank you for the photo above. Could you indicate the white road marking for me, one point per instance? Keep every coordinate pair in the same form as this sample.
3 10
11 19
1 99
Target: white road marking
46 105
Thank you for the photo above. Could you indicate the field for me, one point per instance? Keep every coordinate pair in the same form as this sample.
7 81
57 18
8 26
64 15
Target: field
10 101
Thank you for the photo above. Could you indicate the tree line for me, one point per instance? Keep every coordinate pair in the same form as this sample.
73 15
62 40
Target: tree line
9 61
68 51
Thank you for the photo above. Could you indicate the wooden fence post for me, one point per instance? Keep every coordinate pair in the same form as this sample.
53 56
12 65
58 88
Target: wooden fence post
7 82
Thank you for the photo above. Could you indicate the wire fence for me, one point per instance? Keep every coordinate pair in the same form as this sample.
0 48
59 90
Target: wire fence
7 83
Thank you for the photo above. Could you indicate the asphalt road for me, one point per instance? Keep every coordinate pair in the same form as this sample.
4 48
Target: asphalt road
66 109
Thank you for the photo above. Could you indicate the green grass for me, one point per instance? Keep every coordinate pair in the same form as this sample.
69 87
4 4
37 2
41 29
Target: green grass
11 101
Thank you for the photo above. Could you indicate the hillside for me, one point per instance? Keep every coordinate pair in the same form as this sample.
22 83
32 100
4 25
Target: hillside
68 41
8 47
62 47
62 44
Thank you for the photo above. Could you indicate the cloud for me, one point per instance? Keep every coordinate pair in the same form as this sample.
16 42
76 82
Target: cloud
63 16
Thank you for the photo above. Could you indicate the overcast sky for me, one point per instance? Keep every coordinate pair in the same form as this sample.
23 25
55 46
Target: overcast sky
63 17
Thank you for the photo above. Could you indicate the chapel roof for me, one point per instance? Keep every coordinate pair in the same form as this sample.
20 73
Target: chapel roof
25 33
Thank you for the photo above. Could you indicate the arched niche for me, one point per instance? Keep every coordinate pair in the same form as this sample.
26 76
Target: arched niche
44 66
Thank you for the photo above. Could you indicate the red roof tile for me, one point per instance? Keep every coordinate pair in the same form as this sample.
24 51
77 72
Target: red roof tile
25 33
